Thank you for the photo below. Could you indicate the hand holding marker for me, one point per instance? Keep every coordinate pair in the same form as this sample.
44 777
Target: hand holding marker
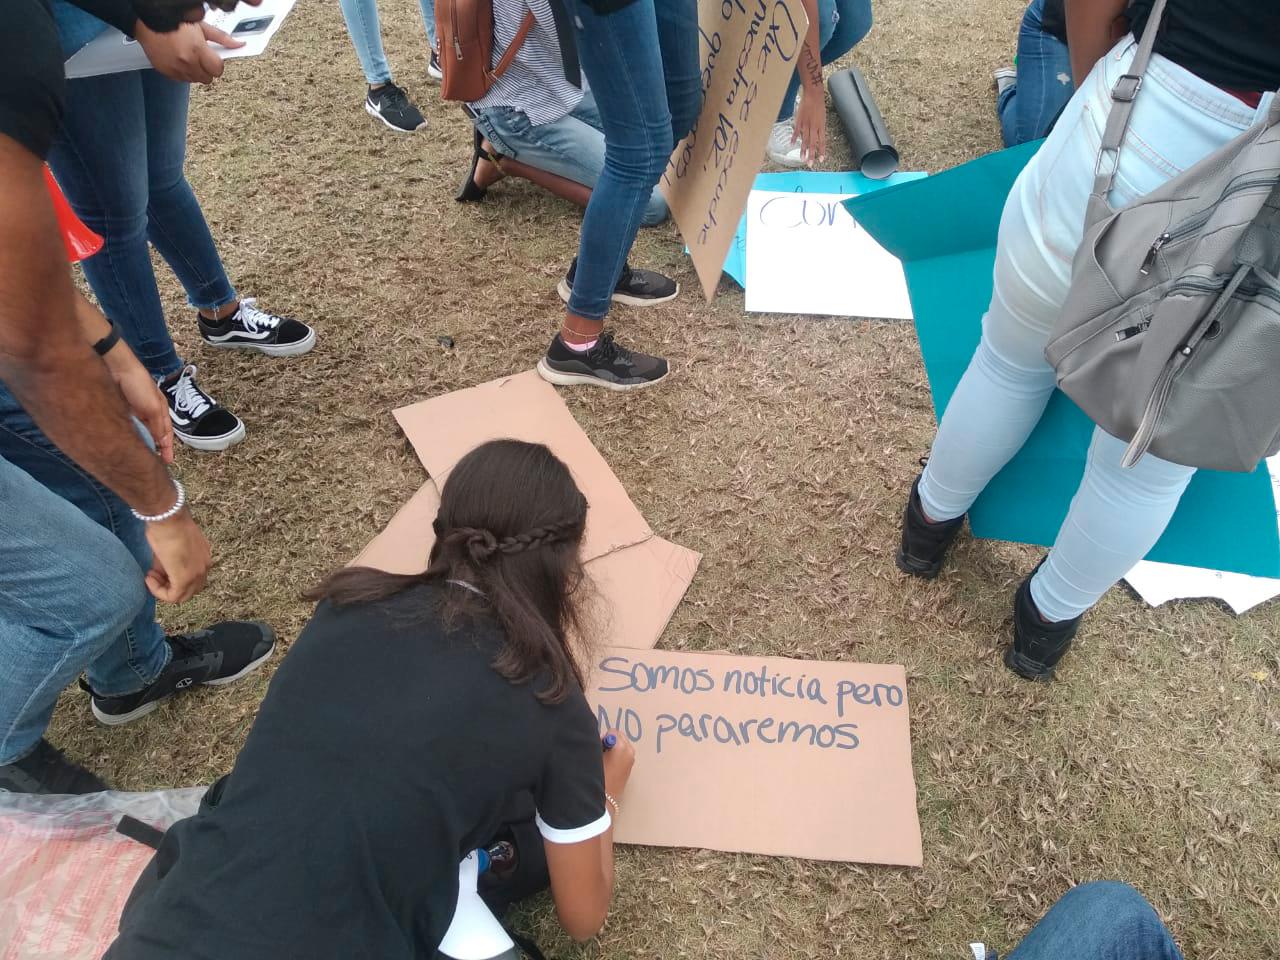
619 756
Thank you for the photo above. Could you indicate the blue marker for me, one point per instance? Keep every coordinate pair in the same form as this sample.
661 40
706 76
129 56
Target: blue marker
610 741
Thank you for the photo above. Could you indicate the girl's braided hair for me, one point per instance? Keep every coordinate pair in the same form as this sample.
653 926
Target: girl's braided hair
510 526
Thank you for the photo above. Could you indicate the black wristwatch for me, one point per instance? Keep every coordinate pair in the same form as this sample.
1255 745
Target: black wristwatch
103 346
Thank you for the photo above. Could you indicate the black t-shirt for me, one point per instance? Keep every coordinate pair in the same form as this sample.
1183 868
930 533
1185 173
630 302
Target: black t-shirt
1230 43
384 752
32 87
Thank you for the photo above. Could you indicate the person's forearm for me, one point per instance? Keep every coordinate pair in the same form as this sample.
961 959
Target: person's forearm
1089 33
811 51
606 865
77 404
45 356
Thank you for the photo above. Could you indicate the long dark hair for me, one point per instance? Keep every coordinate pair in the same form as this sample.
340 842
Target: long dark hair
510 524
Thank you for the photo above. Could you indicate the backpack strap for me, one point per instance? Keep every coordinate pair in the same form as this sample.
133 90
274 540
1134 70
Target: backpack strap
1122 97
513 48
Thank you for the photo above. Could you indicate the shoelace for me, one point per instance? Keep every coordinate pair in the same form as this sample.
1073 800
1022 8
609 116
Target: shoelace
255 319
393 96
187 397
607 349
189 644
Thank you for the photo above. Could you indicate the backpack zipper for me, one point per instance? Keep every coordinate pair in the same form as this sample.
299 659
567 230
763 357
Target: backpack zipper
1188 227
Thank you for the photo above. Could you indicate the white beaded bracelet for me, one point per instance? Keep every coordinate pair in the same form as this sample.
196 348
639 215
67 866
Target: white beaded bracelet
617 811
172 511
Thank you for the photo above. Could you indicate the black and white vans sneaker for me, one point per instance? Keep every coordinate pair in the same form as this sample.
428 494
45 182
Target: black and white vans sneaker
198 420
252 329
220 655
636 288
604 365
392 106
433 67
46 770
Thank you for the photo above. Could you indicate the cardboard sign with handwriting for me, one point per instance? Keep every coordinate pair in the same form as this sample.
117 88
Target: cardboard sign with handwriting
764 755
750 49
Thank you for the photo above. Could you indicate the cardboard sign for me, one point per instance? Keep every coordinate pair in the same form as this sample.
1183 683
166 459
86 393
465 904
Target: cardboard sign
763 755
943 228
749 52
637 588
525 407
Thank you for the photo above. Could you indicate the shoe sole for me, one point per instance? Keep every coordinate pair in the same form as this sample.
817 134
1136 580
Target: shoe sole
305 345
435 75
1025 668
388 124
211 444
913 568
115 720
586 380
784 161
565 292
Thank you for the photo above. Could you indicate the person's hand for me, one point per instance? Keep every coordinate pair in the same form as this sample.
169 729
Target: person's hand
618 762
811 125
143 396
180 558
184 54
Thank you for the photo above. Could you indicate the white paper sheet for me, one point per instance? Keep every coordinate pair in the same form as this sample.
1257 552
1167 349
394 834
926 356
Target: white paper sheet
1159 583
805 254
113 52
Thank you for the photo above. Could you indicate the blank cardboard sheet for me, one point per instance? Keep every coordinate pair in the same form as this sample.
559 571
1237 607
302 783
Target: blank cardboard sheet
762 754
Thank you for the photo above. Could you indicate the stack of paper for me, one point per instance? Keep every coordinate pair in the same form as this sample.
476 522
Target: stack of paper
639 577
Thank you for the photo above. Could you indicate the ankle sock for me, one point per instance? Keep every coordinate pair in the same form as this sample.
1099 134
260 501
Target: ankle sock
579 347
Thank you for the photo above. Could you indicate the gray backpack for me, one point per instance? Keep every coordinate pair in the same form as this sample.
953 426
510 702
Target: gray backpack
1170 336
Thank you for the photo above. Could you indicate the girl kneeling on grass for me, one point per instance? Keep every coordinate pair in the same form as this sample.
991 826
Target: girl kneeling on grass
405 717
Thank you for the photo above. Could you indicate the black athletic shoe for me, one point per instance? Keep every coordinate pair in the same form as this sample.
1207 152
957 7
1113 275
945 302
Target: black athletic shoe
393 107
1037 645
924 544
222 654
46 770
252 329
433 68
198 420
636 288
604 365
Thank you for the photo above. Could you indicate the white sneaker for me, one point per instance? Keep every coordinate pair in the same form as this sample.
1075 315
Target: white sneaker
1004 78
781 150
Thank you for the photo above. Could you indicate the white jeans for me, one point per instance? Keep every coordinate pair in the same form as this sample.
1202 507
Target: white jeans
1116 515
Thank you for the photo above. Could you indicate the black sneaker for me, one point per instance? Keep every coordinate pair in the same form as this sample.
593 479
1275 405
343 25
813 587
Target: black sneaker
393 107
252 329
924 544
636 288
1037 644
604 365
198 420
46 770
222 654
433 67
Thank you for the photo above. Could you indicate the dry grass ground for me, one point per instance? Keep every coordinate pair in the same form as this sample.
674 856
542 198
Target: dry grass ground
781 448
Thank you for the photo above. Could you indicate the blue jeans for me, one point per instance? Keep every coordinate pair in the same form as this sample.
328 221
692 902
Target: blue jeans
841 25
572 147
1029 105
642 65
119 159
1101 921
72 561
1117 515
366 35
